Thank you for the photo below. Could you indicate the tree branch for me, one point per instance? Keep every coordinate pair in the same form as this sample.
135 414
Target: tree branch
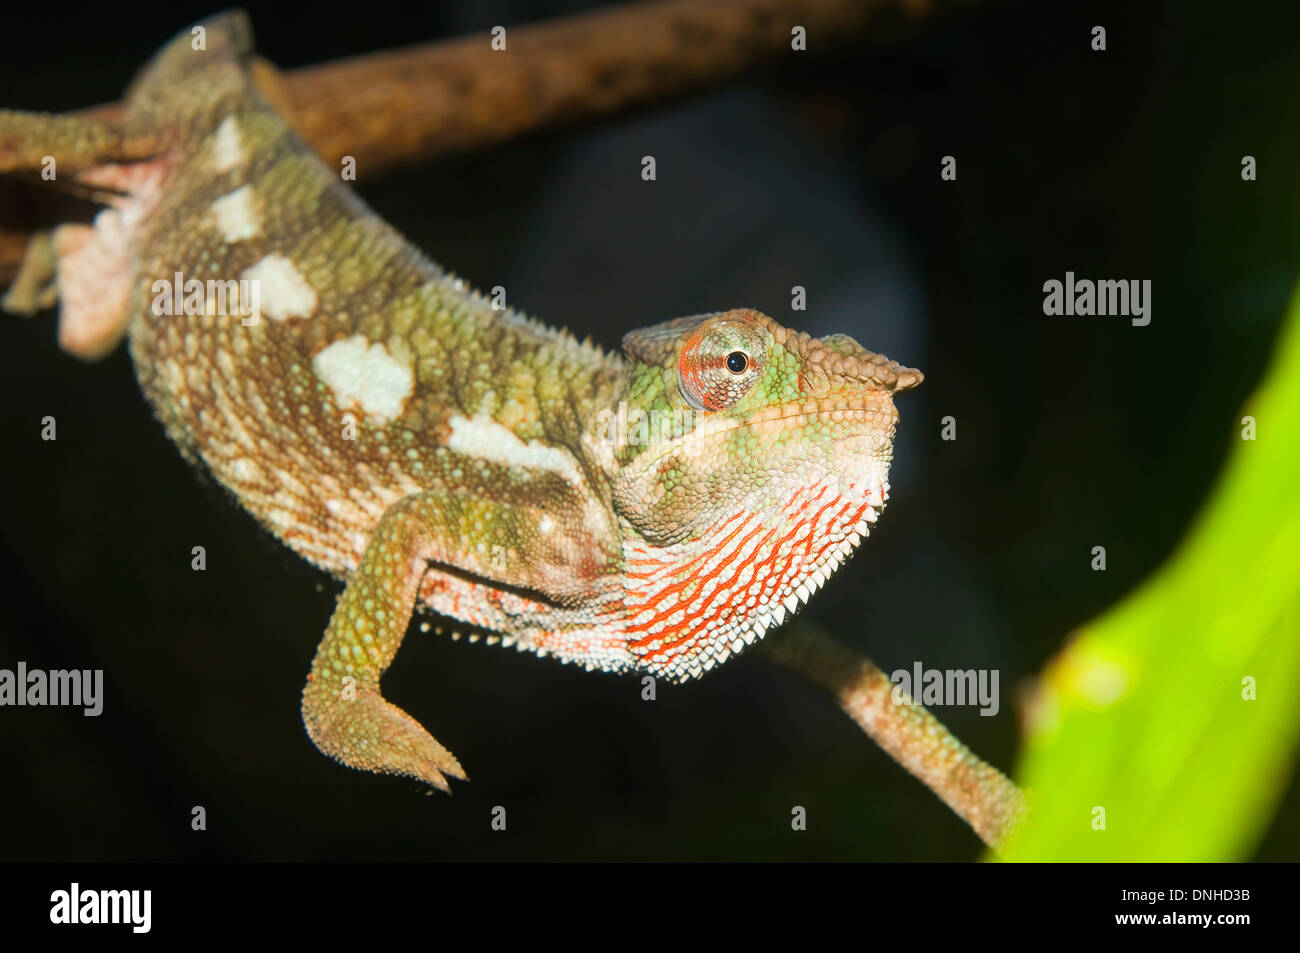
400 107
979 793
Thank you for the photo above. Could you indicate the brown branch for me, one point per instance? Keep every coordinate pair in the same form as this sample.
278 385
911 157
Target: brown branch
980 794
399 107
406 105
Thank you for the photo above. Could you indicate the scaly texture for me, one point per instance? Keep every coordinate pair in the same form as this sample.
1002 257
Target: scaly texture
655 511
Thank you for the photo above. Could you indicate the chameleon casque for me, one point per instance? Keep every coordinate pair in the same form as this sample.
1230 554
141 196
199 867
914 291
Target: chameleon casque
389 425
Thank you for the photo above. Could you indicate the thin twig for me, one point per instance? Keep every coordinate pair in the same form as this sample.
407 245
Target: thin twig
979 793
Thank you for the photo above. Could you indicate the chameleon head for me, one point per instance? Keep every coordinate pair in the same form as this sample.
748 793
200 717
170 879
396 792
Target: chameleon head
765 459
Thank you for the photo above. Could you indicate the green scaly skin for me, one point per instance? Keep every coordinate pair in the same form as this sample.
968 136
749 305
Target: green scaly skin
655 511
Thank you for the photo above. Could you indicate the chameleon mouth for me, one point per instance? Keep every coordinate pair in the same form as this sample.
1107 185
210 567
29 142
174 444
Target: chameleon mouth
877 417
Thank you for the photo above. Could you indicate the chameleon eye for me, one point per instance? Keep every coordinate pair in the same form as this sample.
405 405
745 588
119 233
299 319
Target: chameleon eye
719 363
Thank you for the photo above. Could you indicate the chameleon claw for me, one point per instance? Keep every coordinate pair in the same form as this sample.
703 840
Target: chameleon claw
361 729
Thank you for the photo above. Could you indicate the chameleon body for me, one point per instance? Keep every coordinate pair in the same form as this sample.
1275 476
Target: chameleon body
654 511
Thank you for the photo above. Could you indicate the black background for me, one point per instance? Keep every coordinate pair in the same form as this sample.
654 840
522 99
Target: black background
1072 432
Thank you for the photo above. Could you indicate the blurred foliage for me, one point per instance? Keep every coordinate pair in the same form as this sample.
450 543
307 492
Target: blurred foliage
1146 714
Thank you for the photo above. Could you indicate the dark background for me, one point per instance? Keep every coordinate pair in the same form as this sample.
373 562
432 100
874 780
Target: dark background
1072 432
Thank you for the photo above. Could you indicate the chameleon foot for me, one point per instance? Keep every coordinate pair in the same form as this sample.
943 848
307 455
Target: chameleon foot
357 726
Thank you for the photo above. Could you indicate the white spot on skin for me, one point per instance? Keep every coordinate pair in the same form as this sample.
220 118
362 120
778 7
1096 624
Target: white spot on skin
486 439
282 290
245 470
364 374
235 215
228 146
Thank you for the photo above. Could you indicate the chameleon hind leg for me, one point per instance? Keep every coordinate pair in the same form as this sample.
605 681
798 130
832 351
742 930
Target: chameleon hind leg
86 267
547 548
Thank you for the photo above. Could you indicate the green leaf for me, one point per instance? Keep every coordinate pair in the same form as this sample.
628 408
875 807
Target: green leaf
1142 714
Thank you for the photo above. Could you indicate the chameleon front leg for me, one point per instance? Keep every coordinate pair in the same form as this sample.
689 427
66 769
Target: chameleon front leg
345 714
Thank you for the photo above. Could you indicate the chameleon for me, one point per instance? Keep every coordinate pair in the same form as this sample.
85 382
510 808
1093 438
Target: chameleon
654 511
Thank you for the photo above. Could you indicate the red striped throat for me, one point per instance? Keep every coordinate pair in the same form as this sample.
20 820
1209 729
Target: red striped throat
692 605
